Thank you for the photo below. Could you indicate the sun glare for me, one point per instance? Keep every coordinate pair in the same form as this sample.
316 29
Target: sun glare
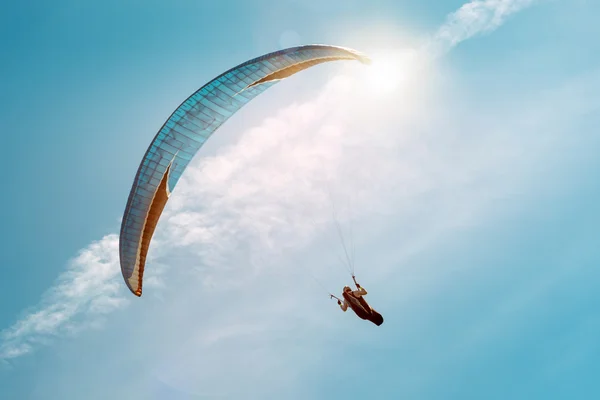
389 71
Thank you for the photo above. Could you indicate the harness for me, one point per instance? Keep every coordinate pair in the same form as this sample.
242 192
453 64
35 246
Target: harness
358 305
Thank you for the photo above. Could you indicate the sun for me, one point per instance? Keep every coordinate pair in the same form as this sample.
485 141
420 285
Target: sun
389 71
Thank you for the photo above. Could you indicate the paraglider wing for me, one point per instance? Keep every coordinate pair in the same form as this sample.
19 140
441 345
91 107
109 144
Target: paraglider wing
186 130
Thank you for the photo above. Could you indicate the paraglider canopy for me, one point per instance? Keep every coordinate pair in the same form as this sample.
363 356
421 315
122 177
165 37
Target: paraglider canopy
188 128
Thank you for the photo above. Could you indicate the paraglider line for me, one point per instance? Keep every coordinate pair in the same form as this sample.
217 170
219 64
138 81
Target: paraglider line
340 234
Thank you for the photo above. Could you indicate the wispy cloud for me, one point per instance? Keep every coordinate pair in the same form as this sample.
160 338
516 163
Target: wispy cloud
473 18
87 288
256 194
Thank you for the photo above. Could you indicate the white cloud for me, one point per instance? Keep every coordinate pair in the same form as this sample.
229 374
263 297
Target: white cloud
473 18
87 288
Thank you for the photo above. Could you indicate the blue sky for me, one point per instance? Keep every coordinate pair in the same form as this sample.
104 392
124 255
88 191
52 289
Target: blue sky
469 190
